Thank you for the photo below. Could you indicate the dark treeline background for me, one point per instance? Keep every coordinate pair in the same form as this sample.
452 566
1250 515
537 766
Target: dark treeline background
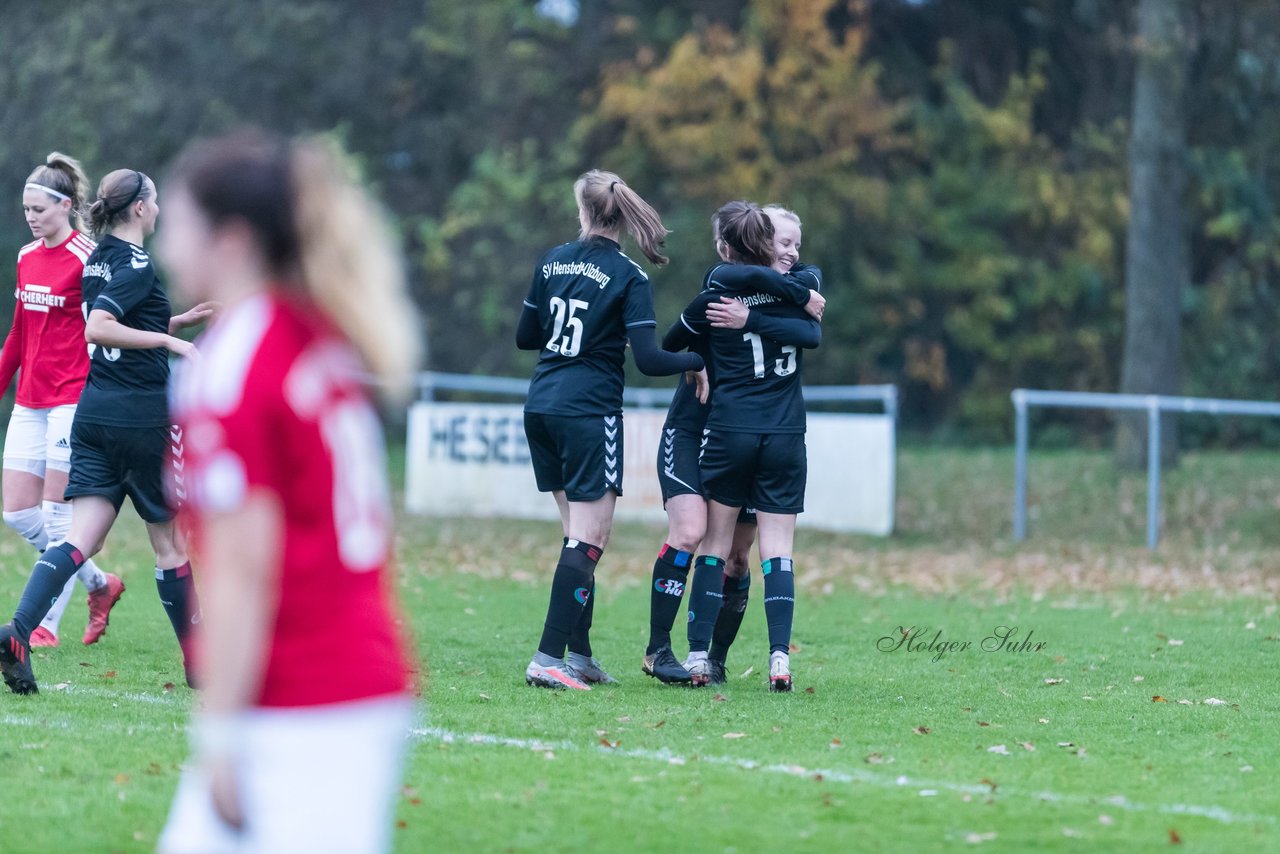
960 165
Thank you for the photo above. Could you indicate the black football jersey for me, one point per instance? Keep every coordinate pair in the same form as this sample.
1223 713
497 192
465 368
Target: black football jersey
125 387
781 326
587 294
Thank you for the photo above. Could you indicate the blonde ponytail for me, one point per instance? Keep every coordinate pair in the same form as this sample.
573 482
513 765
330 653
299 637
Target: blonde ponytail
350 265
65 176
610 204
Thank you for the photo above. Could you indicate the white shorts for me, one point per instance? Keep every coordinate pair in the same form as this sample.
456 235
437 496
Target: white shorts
37 437
314 779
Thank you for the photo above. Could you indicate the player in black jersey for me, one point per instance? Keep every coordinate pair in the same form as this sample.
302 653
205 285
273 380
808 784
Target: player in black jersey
120 438
753 451
587 300
680 482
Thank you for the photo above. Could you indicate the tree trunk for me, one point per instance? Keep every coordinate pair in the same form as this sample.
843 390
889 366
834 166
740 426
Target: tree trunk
1156 253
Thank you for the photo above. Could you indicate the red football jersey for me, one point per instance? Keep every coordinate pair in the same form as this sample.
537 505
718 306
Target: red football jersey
47 337
275 403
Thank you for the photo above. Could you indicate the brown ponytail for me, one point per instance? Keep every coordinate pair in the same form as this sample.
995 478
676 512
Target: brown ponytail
747 231
117 192
64 175
609 204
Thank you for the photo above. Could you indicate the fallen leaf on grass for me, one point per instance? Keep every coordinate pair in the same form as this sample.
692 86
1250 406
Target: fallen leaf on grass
85 664
402 824
992 783
1214 701
873 759
983 723
1158 699
168 686
922 730
1044 720
1066 744
835 742
734 735
659 724
999 749
747 672
1174 838
604 742
110 674
484 696
1027 746
719 698
1054 681
122 779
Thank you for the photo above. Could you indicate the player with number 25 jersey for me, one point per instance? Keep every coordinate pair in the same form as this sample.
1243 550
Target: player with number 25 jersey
586 302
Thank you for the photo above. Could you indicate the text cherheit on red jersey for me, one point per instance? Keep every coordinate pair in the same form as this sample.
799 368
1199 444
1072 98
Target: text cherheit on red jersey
47 337
275 403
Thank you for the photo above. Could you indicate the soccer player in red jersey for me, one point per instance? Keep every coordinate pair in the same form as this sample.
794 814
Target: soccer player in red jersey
302 729
46 341
121 441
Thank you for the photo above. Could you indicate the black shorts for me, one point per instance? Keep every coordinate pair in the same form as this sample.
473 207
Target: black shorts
678 472
113 462
579 454
766 471
678 463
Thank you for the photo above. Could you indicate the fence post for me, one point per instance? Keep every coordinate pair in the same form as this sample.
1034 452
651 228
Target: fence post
1153 471
1020 467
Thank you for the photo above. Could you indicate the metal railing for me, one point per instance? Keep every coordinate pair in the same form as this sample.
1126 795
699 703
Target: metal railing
430 382
1153 404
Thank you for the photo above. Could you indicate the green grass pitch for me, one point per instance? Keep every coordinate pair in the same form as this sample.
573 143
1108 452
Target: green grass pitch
881 748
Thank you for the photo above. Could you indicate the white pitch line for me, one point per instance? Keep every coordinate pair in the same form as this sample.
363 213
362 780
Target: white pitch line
668 757
838 776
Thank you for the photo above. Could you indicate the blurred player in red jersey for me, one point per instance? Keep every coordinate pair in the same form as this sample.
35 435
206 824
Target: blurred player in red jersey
46 341
302 730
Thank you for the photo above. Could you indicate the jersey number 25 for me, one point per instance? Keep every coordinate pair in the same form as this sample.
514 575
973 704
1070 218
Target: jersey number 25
569 324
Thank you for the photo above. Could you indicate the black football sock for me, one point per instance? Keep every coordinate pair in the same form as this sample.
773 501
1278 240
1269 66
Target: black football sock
580 637
48 577
736 591
177 591
570 591
670 572
705 598
779 602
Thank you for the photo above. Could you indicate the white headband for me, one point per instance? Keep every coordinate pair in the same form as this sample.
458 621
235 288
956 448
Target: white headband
49 190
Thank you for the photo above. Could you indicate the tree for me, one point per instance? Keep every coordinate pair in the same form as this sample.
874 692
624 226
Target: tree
1156 254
